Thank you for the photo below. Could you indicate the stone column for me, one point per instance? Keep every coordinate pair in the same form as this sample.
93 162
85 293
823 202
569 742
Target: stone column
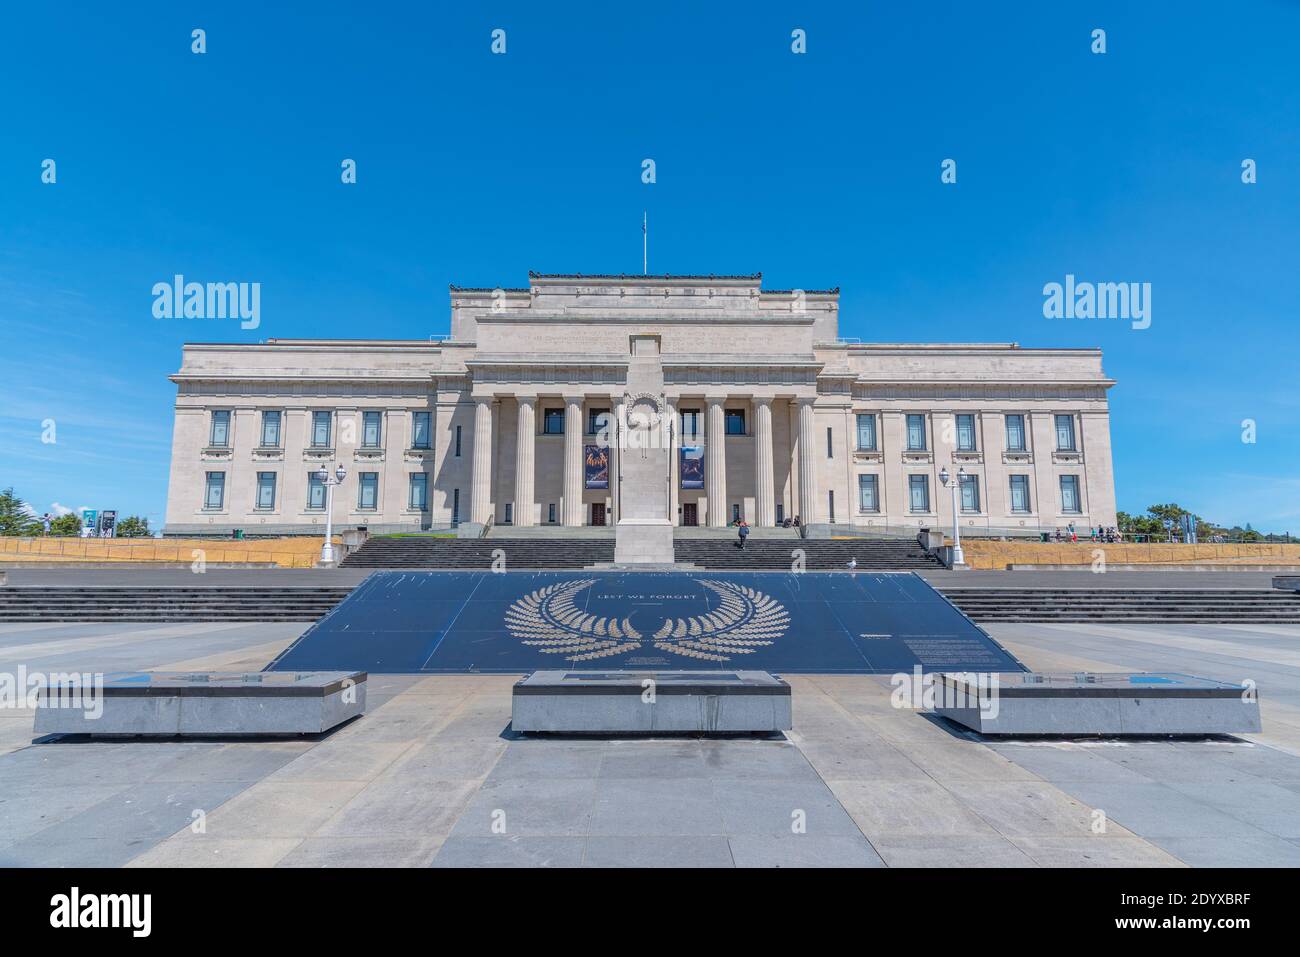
615 455
480 495
674 462
715 463
573 470
807 462
526 440
764 469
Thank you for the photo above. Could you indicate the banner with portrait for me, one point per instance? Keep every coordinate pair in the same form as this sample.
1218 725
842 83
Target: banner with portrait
692 466
596 466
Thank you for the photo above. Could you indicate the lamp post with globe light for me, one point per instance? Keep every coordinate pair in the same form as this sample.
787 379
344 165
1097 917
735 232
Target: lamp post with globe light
340 473
952 482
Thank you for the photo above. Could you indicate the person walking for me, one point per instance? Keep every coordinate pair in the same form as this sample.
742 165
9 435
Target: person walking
743 533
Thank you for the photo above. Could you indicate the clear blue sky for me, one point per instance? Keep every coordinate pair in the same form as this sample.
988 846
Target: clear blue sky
819 170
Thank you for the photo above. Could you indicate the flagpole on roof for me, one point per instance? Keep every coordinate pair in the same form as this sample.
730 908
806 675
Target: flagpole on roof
645 246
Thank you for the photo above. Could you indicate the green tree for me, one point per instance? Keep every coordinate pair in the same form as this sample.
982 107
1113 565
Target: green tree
133 526
14 516
66 525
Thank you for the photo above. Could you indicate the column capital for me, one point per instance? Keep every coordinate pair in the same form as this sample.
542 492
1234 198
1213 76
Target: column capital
762 400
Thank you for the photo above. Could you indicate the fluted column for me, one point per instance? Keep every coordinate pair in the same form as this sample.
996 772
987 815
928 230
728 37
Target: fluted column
715 464
764 471
525 442
481 472
615 433
573 471
807 463
674 460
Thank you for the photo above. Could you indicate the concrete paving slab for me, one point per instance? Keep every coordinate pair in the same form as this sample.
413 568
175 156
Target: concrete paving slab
657 852
950 851
529 808
510 851
407 851
802 850
202 850
281 809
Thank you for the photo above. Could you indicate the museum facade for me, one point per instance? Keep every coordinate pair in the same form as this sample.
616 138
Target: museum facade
520 417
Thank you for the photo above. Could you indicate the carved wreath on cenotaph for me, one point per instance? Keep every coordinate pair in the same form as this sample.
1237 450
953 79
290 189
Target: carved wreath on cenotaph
549 619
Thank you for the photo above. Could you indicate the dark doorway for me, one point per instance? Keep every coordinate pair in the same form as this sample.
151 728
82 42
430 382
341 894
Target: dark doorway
597 513
690 514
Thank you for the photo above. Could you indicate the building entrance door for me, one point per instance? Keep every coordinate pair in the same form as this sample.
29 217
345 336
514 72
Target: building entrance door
690 514
597 513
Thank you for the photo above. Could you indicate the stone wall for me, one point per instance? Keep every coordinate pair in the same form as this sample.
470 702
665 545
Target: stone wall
983 553
299 552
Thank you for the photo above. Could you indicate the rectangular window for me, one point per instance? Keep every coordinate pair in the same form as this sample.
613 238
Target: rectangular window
965 433
371 428
367 491
868 493
598 420
970 493
1070 494
735 513
734 422
1020 493
458 441
550 513
455 506
220 436
1016 433
830 443
780 512
918 490
552 421
320 430
419 491
1065 433
271 430
421 434
315 491
867 432
510 511
690 423
916 433
830 506
214 492
266 490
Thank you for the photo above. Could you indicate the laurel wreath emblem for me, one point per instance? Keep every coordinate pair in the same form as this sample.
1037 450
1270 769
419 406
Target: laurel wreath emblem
549 619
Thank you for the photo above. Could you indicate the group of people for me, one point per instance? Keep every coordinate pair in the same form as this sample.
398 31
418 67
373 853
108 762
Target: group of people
1096 533
743 528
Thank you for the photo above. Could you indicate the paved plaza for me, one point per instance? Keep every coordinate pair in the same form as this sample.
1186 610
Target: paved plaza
433 775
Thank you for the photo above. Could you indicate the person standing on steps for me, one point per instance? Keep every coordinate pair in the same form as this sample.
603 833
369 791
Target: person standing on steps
743 532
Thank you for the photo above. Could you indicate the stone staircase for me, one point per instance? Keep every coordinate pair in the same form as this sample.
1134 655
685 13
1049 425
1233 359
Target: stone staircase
1156 606
819 554
129 603
521 554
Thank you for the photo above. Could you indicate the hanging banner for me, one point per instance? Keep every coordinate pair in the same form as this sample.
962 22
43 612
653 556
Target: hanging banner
692 466
596 466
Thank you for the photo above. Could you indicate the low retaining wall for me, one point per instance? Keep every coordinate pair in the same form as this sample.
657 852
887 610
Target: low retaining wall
295 552
983 553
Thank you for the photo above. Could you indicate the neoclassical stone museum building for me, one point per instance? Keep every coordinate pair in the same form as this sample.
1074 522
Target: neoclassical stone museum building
520 418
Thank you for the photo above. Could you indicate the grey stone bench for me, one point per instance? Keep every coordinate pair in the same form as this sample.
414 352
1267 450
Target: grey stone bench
1096 704
190 703
590 702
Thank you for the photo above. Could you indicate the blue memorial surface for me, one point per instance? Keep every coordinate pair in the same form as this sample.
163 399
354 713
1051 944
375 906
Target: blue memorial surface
514 622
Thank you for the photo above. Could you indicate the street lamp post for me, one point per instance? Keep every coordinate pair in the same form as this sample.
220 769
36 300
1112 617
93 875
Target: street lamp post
957 558
327 548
